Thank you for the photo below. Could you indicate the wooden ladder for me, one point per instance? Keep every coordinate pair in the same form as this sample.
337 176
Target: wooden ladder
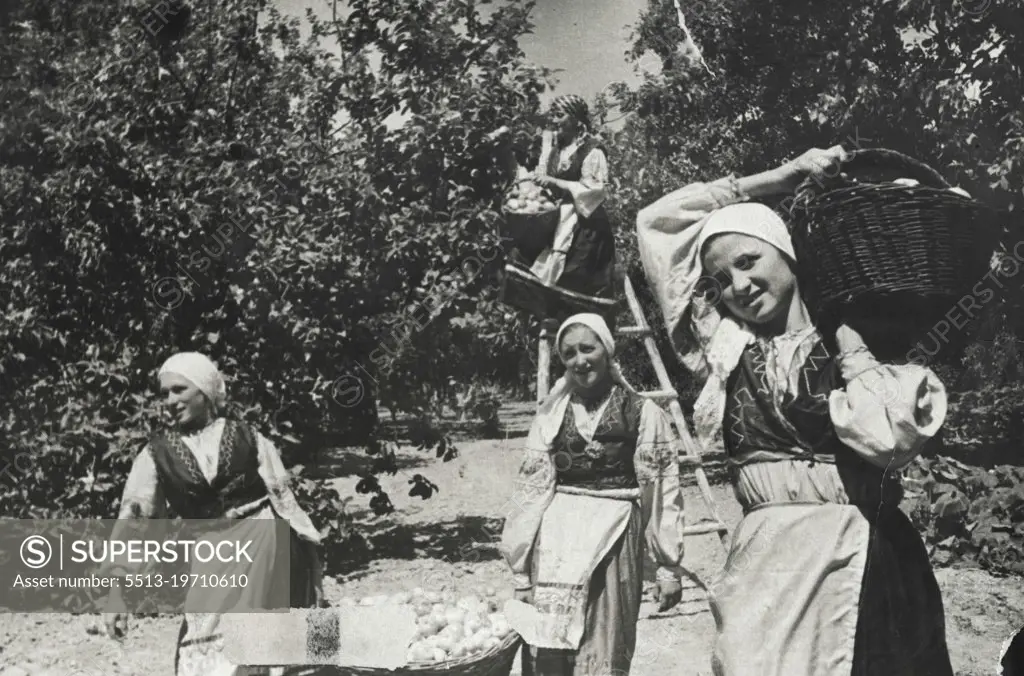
690 457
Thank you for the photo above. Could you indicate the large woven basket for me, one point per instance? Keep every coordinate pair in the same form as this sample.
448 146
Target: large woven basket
528 234
494 662
897 258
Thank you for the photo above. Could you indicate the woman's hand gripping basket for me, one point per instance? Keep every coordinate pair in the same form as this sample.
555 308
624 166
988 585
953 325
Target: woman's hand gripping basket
454 637
886 245
531 215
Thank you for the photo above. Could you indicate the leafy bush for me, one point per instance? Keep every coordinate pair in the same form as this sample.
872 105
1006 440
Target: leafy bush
967 501
969 513
319 222
984 426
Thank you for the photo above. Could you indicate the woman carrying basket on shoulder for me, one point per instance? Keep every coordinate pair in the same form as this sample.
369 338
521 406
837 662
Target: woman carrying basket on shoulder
825 575
212 467
600 478
581 258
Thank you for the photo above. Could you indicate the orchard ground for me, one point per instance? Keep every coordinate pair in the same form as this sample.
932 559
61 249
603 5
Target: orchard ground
446 541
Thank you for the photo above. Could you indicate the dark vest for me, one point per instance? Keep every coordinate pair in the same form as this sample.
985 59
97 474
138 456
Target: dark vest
751 424
607 461
575 170
186 489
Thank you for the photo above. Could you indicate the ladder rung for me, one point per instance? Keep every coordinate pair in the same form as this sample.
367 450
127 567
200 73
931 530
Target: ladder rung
634 331
706 527
690 461
661 394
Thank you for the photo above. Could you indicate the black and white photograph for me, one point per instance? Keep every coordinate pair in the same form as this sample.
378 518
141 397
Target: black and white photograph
511 338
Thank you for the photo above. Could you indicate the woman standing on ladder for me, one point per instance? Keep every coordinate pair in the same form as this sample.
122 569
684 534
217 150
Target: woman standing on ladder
582 256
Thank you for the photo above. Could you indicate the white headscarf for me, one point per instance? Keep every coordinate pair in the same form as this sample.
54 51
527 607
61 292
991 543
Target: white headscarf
595 323
707 340
199 370
552 409
748 218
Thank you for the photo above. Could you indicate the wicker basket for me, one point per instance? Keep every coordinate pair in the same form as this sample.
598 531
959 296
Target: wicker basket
895 256
494 662
527 233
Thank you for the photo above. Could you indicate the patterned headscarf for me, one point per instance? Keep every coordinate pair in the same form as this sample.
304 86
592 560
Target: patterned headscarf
574 106
199 370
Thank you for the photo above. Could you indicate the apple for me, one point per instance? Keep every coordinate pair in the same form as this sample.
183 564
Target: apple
448 626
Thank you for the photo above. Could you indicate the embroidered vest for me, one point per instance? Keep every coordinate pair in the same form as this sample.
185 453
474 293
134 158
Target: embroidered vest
752 425
189 494
752 422
607 461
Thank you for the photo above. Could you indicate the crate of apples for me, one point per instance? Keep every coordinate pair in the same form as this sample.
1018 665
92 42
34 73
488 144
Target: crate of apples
448 627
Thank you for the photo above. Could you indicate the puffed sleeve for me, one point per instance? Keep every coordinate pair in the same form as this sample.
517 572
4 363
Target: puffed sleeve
142 500
590 191
594 173
534 490
276 478
143 496
887 413
657 470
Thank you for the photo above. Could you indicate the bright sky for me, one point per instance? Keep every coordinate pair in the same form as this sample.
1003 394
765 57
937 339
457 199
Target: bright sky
586 39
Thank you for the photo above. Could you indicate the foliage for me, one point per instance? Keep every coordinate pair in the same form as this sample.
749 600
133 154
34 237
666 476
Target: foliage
321 223
967 500
790 75
941 82
969 513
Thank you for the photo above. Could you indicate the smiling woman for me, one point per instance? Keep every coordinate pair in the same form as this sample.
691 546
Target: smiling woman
211 467
756 279
815 430
186 401
599 478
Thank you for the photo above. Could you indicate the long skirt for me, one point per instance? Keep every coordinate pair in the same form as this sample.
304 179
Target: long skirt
200 649
590 261
612 611
816 586
582 256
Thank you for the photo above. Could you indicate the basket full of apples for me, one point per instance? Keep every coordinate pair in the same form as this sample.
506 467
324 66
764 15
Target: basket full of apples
531 215
454 636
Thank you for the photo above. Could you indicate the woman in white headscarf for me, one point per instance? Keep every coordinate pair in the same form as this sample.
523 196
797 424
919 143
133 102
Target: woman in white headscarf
600 478
825 575
212 467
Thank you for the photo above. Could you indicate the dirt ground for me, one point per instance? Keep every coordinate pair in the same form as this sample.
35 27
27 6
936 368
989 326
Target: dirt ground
445 542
